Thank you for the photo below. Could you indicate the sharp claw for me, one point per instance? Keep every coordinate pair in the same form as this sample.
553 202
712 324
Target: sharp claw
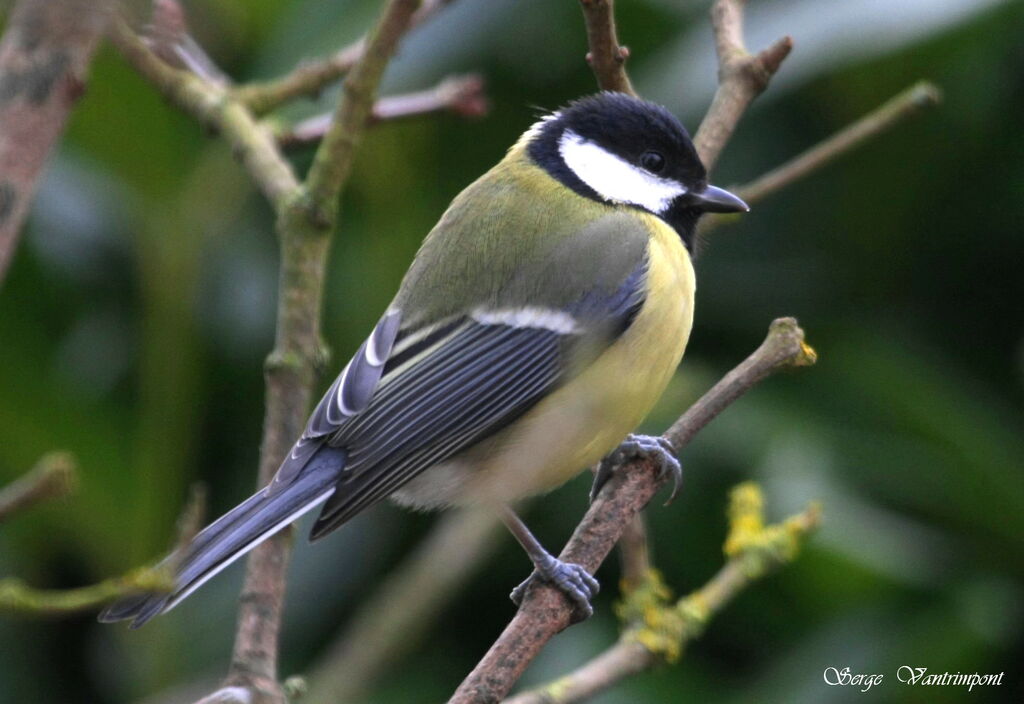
670 466
659 448
517 594
604 472
573 580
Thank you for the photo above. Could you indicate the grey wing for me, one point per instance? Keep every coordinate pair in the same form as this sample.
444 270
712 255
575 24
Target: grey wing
447 387
348 396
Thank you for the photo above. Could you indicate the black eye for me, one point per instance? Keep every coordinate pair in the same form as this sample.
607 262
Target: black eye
652 161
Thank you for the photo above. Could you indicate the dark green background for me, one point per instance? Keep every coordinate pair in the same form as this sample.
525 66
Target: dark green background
135 319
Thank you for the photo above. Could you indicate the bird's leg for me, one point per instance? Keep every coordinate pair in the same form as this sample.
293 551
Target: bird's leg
573 580
657 448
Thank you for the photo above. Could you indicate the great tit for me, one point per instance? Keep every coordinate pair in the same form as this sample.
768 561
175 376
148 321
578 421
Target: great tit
538 324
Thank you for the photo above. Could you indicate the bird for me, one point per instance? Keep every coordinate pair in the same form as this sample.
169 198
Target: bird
538 324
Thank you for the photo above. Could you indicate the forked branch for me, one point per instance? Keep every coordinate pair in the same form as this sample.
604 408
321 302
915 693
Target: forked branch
742 76
311 77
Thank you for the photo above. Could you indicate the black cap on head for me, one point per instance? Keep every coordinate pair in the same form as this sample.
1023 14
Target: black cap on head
616 148
628 127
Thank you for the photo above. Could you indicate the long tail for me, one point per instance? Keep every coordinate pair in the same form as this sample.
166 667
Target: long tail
234 534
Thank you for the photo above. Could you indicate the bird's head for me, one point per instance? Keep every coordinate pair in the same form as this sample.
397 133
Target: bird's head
617 149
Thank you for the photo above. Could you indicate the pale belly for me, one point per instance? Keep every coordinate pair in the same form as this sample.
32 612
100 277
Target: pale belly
584 420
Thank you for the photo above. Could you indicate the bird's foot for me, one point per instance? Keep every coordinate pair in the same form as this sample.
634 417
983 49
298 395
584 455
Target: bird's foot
641 446
574 581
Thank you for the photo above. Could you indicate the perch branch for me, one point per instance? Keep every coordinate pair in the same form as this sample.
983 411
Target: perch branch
44 58
53 477
309 78
659 629
606 57
742 76
784 347
545 610
461 95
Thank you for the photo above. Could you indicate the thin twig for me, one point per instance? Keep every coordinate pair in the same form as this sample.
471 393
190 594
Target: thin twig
168 36
44 58
545 610
634 551
253 144
906 104
311 77
53 477
784 347
660 629
461 95
191 520
17 597
741 78
607 58
334 157
404 606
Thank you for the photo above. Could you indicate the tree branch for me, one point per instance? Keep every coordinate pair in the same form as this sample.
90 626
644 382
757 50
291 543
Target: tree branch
304 228
634 551
17 597
168 36
309 78
53 477
333 159
545 610
44 58
461 95
741 78
784 347
658 630
606 57
306 215
253 144
906 104
910 102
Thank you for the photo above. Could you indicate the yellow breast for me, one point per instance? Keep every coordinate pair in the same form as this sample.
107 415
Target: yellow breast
584 420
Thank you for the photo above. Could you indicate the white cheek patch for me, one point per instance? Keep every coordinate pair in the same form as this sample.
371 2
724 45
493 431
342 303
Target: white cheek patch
529 317
614 178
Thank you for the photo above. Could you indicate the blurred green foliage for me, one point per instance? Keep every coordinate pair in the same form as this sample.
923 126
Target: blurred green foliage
135 319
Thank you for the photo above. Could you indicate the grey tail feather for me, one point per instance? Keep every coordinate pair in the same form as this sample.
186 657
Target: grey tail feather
234 534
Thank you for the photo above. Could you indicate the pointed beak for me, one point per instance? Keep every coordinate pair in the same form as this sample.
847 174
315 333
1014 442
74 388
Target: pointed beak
717 200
